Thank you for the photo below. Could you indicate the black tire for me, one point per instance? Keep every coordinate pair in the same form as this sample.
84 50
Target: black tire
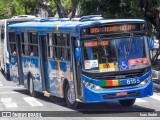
31 90
70 104
127 103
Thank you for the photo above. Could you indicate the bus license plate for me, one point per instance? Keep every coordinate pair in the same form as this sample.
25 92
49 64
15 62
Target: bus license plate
121 93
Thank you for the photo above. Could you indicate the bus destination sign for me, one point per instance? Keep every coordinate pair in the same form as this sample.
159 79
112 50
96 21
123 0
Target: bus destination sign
116 28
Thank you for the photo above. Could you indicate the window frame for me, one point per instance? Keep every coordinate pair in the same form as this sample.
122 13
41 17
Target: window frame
54 45
12 42
30 44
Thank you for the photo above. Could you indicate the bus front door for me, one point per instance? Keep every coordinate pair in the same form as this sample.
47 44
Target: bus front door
19 63
43 62
76 69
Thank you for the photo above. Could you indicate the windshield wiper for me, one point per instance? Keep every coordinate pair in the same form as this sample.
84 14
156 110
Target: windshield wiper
103 47
129 45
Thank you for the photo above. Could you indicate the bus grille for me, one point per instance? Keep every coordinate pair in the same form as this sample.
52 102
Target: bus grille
120 76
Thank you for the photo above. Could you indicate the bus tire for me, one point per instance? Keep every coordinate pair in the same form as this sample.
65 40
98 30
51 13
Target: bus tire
127 103
32 92
69 102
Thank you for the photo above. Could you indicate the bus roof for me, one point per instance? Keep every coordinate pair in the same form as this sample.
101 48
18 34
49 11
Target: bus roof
23 16
15 19
64 25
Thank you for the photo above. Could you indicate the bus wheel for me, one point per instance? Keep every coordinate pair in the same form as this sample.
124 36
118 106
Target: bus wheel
128 102
70 103
32 92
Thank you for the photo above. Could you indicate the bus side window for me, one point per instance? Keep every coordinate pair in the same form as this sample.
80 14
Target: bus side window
61 46
13 48
33 43
58 48
68 57
64 40
25 49
67 47
12 37
2 33
51 45
12 43
59 52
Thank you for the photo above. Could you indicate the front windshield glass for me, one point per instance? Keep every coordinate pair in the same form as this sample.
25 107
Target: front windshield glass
102 55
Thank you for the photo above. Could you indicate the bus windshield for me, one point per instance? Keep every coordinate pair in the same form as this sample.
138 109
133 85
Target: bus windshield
102 55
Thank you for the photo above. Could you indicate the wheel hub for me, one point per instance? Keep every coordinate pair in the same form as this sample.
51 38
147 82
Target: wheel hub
69 96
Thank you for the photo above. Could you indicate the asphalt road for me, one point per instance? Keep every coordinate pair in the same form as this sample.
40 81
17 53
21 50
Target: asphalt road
16 101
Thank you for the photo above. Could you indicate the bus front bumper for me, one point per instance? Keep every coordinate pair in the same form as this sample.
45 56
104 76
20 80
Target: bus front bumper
109 94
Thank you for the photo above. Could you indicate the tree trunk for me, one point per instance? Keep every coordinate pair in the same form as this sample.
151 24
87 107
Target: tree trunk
60 9
74 7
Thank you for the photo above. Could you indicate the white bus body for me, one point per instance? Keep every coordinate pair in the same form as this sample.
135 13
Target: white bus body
4 55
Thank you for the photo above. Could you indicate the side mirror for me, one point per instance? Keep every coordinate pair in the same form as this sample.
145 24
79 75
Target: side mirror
150 41
77 53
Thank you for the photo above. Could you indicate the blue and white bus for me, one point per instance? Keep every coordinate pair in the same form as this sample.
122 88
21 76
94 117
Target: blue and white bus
86 60
4 55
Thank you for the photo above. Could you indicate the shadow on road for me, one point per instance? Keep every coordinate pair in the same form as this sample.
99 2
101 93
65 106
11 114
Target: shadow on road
94 108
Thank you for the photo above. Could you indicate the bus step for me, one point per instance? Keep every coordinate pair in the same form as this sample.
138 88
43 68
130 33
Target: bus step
47 94
22 86
78 100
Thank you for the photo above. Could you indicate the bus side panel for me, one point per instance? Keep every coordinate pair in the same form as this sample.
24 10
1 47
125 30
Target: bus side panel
14 69
36 74
2 39
25 69
62 73
52 74
31 66
58 71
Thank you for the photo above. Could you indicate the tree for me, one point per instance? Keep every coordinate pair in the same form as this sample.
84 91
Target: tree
151 12
111 8
5 9
28 6
146 9
66 7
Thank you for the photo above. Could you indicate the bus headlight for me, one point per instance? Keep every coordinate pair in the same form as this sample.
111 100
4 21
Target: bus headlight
143 83
92 86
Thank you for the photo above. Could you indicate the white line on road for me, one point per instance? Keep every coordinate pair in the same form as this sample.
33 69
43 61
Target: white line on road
7 102
139 100
156 97
9 87
7 92
10 105
32 101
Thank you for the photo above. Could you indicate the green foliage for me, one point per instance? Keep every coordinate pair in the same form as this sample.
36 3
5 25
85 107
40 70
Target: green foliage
111 8
5 9
9 8
52 6
19 8
27 6
108 8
